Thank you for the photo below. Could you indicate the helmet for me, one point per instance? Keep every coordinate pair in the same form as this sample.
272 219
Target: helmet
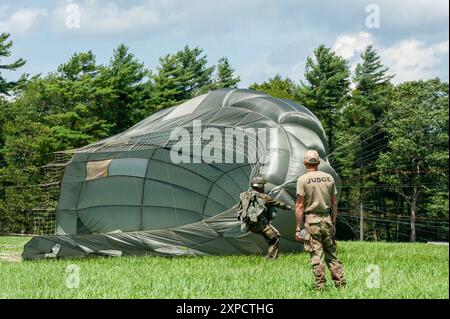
258 182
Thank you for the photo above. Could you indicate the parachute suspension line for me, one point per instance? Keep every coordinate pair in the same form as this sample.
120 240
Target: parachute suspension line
356 140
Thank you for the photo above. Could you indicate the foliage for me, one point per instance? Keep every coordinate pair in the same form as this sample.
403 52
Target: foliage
181 76
5 51
388 143
80 103
326 88
416 160
224 77
26 141
278 87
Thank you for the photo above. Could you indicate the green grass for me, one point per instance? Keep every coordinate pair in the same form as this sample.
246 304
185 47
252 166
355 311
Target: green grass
406 271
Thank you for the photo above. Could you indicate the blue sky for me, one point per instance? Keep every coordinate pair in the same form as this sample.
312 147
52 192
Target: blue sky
260 37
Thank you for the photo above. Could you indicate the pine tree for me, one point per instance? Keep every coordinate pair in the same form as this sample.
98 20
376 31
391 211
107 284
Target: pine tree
75 97
372 83
80 64
181 76
327 88
369 101
6 86
360 139
125 90
225 75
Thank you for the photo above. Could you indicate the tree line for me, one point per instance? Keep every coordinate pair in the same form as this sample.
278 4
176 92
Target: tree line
388 143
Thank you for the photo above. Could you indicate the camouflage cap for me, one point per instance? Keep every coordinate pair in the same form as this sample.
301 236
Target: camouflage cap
312 157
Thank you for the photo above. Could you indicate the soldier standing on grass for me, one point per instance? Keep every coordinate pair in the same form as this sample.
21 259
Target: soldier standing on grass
256 209
317 207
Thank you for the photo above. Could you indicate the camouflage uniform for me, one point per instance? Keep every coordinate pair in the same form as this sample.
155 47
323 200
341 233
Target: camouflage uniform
265 228
319 242
260 221
317 189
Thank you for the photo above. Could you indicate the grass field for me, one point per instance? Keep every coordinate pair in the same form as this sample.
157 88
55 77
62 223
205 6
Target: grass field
404 270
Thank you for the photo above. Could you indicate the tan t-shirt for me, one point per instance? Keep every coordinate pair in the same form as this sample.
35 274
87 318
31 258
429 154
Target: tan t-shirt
316 188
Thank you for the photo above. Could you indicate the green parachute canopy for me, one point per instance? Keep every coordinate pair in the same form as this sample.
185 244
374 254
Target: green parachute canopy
170 184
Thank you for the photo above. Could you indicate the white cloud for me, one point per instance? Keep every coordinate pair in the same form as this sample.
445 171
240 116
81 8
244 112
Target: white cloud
276 38
297 71
96 17
441 48
414 13
348 45
21 20
112 18
413 60
408 59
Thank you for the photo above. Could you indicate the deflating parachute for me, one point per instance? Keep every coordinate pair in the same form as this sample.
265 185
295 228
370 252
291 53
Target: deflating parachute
170 184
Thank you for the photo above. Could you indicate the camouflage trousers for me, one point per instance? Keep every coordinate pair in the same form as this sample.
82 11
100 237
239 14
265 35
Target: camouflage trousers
271 235
320 243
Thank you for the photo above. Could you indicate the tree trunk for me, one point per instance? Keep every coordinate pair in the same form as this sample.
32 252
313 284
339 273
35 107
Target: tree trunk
415 196
375 235
361 196
413 214
361 219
